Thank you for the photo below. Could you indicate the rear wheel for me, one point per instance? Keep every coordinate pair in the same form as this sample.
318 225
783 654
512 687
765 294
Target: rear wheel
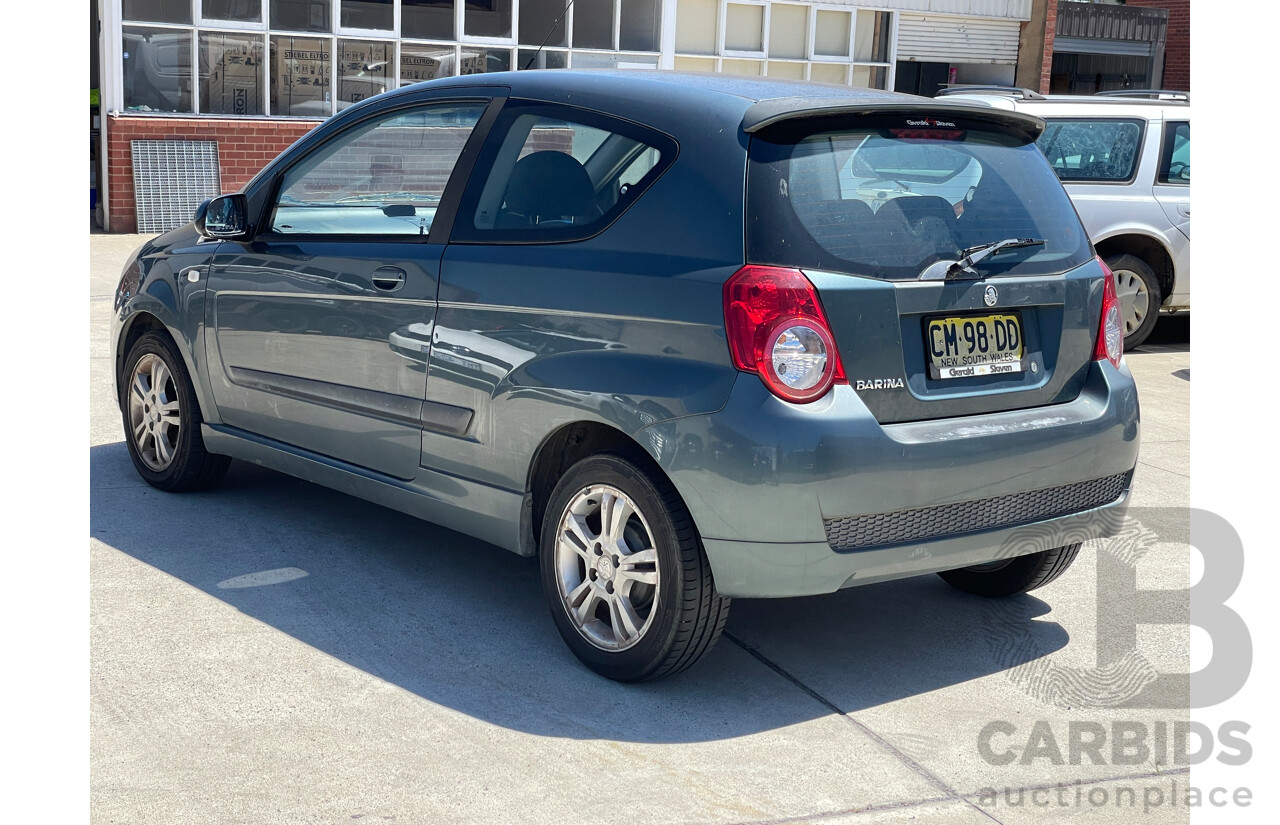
624 572
1139 292
1009 577
162 419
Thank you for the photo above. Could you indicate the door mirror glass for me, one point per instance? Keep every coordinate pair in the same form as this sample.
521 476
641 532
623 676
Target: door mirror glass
222 217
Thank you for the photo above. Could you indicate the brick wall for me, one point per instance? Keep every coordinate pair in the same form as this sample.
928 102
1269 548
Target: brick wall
244 147
1046 65
1177 47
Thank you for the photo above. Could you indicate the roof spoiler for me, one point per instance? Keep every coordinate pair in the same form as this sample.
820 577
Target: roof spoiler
768 112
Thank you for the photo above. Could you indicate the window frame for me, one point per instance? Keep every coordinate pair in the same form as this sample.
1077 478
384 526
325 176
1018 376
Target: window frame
492 101
1137 157
464 229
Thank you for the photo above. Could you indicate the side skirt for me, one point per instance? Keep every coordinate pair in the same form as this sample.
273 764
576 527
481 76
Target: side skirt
487 513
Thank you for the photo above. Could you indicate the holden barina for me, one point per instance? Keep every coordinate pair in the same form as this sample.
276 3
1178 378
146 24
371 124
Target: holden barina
684 338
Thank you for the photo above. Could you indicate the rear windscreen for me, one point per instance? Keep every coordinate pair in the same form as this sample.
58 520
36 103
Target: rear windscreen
893 195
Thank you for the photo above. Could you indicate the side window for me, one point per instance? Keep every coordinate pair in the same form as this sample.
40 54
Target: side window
1175 155
1093 150
558 174
383 177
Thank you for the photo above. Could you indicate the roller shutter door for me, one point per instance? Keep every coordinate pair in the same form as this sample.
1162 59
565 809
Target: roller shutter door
939 39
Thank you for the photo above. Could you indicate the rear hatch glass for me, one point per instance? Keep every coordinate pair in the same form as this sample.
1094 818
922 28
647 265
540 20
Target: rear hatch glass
886 196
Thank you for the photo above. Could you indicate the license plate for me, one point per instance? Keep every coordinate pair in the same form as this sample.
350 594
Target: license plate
966 346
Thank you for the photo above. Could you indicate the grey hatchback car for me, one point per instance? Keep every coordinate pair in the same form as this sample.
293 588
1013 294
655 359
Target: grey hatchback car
684 338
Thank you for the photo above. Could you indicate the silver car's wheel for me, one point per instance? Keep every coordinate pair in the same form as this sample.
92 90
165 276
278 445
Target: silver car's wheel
624 572
154 413
1135 300
607 567
1139 292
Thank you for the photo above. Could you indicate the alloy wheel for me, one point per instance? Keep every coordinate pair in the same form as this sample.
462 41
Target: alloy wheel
607 568
154 415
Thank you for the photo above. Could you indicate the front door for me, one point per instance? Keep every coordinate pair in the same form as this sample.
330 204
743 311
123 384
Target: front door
321 324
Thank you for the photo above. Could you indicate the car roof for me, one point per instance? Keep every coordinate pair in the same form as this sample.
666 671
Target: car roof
752 102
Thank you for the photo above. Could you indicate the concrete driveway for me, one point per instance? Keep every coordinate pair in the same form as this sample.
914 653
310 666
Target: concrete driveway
272 651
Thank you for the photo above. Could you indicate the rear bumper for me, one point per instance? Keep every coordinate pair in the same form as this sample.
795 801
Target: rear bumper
771 485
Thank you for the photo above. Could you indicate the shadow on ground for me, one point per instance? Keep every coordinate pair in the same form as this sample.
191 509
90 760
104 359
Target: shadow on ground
1171 334
462 623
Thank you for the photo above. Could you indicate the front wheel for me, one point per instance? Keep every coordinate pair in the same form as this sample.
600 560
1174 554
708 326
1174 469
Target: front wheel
1009 577
624 572
162 419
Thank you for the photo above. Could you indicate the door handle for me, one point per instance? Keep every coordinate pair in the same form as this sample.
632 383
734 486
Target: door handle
388 278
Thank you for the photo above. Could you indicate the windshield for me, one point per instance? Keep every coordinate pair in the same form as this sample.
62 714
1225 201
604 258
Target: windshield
887 201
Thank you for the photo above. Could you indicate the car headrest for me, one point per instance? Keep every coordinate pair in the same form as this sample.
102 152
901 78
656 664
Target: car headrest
549 184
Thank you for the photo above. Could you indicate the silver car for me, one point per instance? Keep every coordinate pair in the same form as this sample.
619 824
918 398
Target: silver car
1125 160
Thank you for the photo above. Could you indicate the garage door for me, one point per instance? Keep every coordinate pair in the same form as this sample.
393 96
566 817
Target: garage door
942 39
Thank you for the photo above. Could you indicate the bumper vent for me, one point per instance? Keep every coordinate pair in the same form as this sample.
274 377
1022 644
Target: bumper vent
945 520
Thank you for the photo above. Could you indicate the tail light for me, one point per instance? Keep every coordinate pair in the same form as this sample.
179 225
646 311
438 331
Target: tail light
1111 326
777 329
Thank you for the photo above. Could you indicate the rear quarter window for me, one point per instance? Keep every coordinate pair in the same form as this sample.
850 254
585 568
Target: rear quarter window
1092 150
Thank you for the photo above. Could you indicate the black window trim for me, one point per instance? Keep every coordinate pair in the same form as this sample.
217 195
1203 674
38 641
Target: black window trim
1166 152
1137 158
441 224
465 232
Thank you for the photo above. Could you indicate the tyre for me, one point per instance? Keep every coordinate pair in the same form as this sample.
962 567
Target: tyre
624 572
1009 577
162 419
1139 294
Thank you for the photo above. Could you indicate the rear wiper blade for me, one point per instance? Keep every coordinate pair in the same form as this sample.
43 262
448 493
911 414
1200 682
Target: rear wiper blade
943 270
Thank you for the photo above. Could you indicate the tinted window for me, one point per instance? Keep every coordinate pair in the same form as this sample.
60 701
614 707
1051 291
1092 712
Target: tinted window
1175 157
384 177
558 174
1092 150
887 202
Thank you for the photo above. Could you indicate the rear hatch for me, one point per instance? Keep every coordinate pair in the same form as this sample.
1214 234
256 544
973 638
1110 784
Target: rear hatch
865 202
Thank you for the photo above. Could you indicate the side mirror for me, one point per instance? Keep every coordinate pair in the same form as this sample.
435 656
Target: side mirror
222 217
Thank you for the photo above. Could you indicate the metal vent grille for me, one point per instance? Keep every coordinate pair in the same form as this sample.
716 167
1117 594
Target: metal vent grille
861 532
171 178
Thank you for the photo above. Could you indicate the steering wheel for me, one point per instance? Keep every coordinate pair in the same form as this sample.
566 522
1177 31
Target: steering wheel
1178 169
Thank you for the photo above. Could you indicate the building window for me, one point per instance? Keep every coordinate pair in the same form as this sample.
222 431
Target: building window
593 24
784 39
157 69
300 76
231 79
301 15
375 15
487 18
426 61
365 68
238 11
427 19
543 21
157 11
